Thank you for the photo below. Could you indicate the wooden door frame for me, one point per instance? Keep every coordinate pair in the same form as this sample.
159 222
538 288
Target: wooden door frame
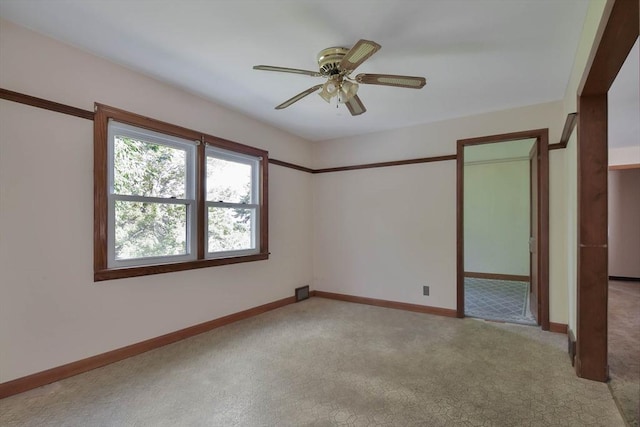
616 35
542 140
533 151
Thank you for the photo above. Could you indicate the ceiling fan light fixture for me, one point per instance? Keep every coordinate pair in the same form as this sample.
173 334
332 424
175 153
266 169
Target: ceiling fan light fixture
324 95
329 60
329 90
336 65
347 91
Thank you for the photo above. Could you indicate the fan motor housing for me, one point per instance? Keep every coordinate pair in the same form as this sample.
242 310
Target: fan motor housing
330 58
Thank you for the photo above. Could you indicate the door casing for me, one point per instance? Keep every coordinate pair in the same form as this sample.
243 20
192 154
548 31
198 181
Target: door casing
542 144
533 233
616 35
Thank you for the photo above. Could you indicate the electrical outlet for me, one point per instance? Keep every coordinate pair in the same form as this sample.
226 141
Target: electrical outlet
425 290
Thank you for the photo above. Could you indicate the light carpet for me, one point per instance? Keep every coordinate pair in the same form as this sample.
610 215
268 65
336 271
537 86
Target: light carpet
331 363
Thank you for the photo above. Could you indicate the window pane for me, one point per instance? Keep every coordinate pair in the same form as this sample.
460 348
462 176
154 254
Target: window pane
148 169
145 229
228 181
230 229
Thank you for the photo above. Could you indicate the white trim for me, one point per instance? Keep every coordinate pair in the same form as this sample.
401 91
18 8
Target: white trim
232 205
148 136
231 254
232 156
161 200
255 230
254 163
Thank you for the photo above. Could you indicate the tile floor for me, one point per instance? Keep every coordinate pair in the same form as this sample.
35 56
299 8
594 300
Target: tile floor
502 300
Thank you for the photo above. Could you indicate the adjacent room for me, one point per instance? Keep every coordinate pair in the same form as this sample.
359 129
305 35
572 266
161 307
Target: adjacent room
497 231
624 237
281 212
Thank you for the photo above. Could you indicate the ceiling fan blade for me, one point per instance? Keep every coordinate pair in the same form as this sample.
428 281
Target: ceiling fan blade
392 80
287 70
358 54
298 97
355 106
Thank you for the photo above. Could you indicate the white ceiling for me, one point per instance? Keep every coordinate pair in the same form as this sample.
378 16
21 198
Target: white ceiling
477 55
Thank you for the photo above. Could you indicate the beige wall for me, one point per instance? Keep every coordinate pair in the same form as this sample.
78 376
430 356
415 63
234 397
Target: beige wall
624 223
625 155
568 184
51 311
496 217
384 233
437 138
387 232
381 233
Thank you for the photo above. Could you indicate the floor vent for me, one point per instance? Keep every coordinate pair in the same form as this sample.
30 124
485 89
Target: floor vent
302 293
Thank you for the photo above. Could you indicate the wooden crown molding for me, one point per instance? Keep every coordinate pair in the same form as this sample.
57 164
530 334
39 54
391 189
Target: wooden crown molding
387 164
89 115
569 126
45 104
290 166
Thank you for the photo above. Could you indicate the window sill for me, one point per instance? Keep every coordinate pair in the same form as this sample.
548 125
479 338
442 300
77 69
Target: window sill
121 273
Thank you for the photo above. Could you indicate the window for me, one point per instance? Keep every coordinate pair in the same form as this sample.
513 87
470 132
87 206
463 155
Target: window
152 206
232 203
170 199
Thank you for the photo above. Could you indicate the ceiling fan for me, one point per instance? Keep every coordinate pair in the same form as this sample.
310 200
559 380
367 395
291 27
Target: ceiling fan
336 64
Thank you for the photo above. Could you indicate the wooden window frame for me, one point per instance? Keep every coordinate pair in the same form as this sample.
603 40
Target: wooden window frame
103 114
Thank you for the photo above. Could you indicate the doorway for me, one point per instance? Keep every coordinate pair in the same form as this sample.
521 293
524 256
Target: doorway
616 36
497 231
624 289
531 271
623 294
